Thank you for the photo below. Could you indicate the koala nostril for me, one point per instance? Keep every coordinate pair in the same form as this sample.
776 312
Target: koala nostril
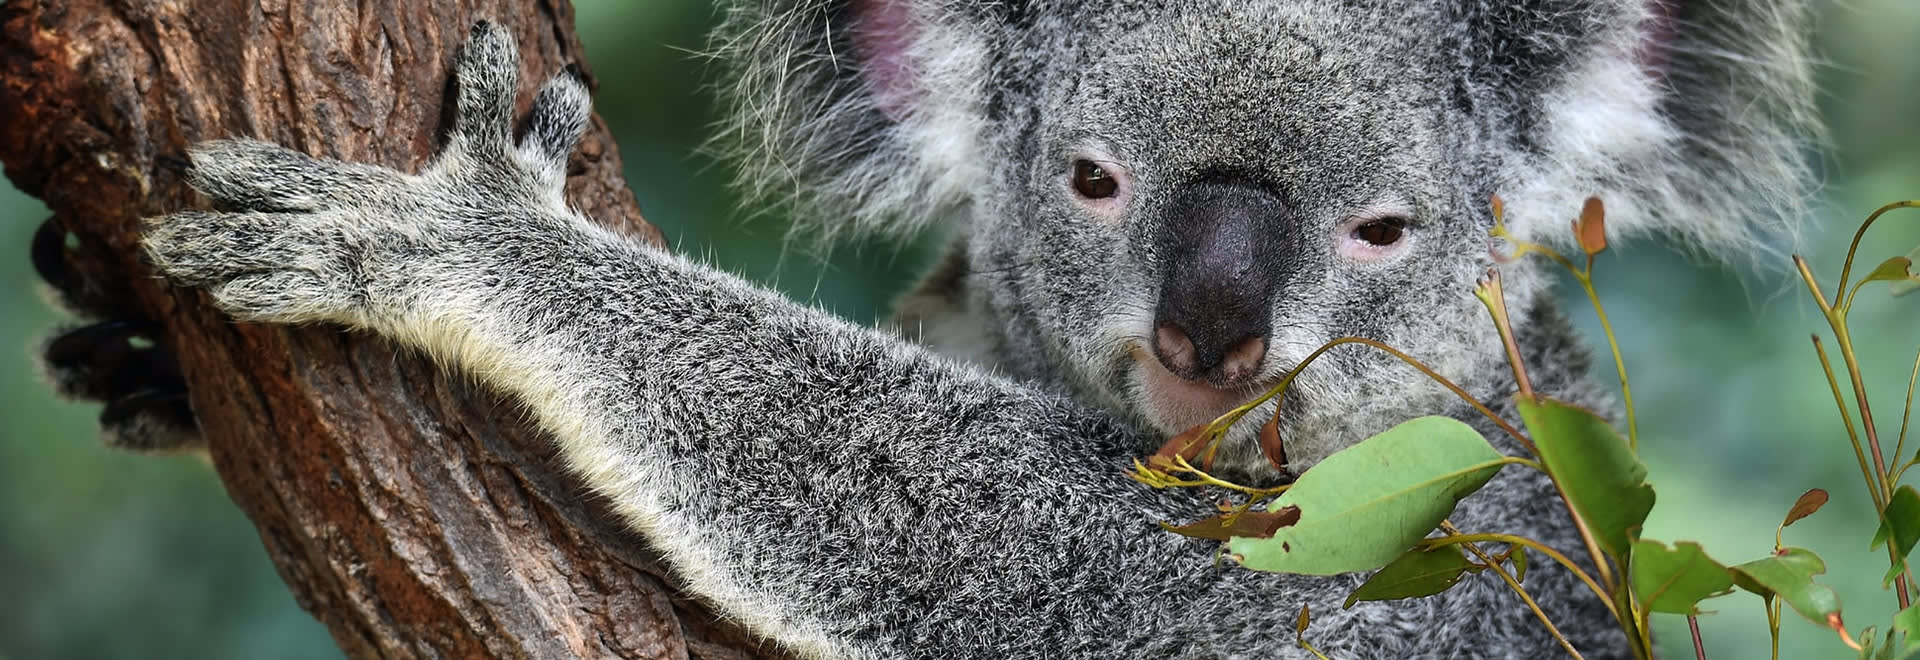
1242 360
1200 358
1216 362
1174 349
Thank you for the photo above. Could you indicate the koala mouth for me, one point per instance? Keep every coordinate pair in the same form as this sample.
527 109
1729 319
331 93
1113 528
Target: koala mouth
1176 404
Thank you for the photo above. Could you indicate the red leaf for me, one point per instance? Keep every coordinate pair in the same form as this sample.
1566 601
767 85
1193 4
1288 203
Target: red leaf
1271 445
1591 228
1808 503
1252 524
1187 446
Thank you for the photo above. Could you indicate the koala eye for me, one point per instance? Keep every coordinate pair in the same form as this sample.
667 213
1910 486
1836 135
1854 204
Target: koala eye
1382 232
1093 181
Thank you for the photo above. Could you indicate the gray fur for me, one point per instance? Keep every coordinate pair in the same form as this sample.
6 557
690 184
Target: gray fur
850 495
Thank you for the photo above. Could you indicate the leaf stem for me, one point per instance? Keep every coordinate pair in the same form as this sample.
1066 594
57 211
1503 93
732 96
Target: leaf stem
1699 647
1233 416
1854 248
1773 625
1846 419
1454 537
1515 584
1619 363
1585 277
1495 298
1837 320
1900 448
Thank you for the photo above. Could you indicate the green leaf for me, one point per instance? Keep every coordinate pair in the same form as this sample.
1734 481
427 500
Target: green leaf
1907 623
1419 572
1910 284
1674 580
1366 504
1789 575
1901 526
1891 270
1601 477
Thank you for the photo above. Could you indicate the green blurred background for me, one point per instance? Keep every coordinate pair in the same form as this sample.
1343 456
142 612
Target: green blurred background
106 555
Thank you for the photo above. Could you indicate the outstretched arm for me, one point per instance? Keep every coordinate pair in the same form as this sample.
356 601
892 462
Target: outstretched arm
835 489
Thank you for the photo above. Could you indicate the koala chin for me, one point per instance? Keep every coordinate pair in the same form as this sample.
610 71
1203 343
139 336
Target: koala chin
1156 207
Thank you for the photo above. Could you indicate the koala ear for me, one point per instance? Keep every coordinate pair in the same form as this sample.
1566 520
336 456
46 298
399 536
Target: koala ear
864 115
1689 117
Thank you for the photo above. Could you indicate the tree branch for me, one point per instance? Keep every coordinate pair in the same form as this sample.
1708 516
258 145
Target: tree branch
414 514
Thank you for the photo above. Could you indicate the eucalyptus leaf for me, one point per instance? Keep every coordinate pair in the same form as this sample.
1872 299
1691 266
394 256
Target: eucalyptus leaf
1788 574
1901 526
1808 503
1251 524
1599 474
1591 228
1367 504
1912 283
1419 572
1907 623
1674 580
1891 270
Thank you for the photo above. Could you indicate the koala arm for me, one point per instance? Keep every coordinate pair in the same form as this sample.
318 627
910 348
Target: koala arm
841 492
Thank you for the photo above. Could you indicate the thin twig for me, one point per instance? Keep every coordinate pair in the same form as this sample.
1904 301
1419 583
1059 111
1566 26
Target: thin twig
1522 591
1699 647
1900 448
1846 419
1847 269
1454 537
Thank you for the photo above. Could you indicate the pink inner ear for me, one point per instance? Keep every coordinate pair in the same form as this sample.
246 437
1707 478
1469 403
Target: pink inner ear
884 31
1656 37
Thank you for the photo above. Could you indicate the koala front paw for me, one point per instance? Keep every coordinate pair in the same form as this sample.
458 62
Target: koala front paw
304 239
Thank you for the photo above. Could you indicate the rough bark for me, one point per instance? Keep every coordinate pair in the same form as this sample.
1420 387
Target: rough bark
414 514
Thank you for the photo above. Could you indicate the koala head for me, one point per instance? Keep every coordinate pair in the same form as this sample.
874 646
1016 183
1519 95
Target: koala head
1167 205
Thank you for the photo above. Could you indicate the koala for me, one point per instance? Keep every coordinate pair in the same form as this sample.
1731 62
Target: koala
1155 208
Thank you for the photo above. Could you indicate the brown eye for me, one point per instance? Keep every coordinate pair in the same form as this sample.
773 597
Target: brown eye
1382 232
1093 181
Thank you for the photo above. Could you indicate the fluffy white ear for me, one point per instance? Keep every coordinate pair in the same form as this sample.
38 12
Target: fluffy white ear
863 115
1691 117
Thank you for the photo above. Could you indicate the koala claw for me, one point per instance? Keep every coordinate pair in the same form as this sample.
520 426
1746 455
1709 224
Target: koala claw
300 238
118 363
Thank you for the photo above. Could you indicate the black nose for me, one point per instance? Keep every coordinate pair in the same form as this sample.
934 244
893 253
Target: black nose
1217 247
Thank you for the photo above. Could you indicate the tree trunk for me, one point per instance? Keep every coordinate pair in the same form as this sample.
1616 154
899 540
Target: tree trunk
413 513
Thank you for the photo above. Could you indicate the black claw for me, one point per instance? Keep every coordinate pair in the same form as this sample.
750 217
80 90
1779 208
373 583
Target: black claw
50 255
99 345
51 247
479 27
573 70
120 410
110 360
153 420
174 163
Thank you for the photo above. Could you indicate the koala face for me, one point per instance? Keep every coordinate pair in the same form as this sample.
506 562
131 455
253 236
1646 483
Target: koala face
1166 205
1296 185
